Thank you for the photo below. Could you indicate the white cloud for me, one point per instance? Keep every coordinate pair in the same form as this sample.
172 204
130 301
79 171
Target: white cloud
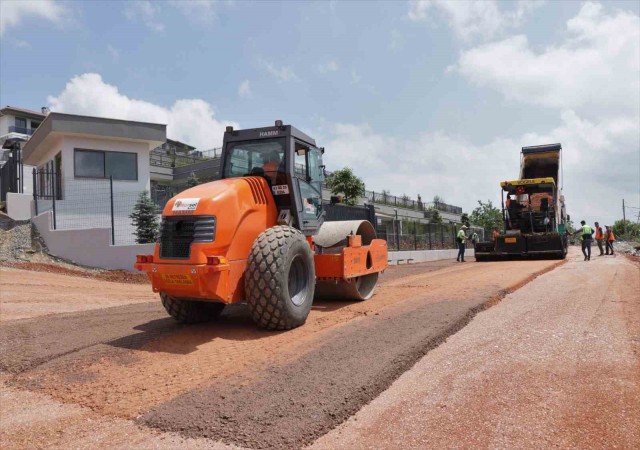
244 90
330 66
355 77
591 78
189 120
470 19
145 12
463 172
21 44
197 10
13 12
596 68
284 73
396 41
115 54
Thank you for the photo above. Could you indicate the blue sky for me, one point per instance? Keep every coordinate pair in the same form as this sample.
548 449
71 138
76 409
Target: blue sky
429 97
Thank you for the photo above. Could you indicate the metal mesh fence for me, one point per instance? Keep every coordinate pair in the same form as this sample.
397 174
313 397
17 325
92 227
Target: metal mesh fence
102 203
403 234
87 203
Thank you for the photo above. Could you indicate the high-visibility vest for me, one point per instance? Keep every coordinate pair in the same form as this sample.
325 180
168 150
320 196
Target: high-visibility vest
611 236
586 232
599 233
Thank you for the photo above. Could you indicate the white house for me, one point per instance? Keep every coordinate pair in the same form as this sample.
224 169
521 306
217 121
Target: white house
83 150
18 124
93 169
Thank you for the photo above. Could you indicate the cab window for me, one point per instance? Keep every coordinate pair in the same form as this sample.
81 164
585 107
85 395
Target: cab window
263 157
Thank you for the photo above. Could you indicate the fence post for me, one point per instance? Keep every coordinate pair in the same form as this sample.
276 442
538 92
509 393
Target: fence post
113 232
429 234
35 191
442 235
53 188
415 236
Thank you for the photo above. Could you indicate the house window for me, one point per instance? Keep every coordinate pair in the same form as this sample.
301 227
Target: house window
103 164
21 124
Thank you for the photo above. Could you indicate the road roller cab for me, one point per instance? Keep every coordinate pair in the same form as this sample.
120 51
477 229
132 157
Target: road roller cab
259 235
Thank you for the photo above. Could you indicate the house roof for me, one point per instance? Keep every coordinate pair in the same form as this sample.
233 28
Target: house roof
70 124
6 110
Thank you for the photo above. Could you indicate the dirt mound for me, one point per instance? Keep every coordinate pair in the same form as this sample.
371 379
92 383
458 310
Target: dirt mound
117 276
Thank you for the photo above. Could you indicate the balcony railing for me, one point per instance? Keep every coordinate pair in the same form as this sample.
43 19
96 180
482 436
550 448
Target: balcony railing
27 131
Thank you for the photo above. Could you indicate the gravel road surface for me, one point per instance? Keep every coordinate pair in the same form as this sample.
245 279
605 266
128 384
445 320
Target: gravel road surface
555 364
229 381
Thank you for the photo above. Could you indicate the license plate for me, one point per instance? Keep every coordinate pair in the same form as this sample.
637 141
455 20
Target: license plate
509 240
177 279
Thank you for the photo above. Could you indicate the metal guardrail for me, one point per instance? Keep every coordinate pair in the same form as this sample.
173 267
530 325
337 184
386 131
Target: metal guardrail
21 130
160 158
406 202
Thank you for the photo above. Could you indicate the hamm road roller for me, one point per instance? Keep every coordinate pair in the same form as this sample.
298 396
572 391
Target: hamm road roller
258 235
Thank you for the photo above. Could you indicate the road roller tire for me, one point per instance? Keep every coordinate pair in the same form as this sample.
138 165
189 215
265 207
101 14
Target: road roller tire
280 279
191 311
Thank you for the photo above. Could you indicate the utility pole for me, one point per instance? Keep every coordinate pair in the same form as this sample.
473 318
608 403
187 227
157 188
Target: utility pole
624 219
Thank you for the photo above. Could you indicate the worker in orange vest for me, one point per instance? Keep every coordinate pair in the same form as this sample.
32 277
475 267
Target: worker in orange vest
272 162
599 238
610 237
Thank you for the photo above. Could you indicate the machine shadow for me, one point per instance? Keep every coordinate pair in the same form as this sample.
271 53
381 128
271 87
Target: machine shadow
168 336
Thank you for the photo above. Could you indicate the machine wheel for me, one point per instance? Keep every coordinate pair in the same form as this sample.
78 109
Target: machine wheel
280 279
191 311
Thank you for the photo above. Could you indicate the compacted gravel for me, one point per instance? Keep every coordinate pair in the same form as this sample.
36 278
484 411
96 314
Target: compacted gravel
554 365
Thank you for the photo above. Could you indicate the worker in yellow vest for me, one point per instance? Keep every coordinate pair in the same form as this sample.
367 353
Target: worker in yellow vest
610 239
461 237
599 238
585 233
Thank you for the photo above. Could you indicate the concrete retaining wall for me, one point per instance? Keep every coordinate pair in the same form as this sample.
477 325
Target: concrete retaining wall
426 255
89 247
19 206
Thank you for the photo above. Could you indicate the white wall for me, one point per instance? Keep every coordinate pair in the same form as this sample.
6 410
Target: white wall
90 247
426 255
19 206
5 122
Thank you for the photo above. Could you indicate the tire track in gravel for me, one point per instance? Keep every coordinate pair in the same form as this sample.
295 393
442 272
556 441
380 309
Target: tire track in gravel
28 343
127 376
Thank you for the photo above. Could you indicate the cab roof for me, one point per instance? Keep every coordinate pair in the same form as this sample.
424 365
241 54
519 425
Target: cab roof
268 133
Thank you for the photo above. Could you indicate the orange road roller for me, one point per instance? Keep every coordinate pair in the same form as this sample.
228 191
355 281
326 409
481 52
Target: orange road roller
258 235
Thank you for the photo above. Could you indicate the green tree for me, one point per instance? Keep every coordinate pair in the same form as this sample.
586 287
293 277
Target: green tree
435 216
345 182
487 216
192 180
145 219
464 218
627 230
